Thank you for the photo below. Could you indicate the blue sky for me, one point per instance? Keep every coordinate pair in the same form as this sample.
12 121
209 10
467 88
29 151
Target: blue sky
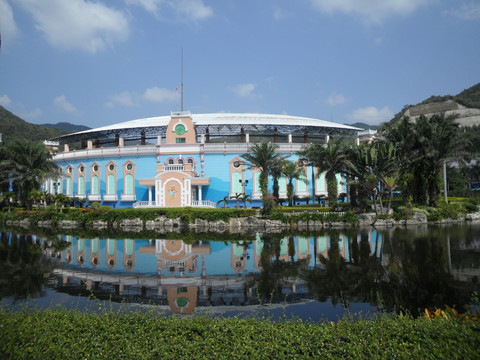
101 62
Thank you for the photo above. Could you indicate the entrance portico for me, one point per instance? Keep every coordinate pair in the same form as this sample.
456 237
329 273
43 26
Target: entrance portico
175 186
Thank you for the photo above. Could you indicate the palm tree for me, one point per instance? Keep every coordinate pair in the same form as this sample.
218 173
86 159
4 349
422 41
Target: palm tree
330 158
62 199
276 171
384 165
237 198
359 171
292 171
37 196
245 198
264 157
424 144
224 201
27 165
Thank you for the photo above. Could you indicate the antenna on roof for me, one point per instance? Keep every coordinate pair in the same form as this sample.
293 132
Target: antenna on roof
181 86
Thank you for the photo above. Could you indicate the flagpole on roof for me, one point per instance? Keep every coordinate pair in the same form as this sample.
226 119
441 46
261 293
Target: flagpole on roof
181 87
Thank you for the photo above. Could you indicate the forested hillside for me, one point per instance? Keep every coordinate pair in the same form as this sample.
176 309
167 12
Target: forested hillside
14 128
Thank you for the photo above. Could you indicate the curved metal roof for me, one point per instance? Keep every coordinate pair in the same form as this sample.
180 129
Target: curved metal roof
217 124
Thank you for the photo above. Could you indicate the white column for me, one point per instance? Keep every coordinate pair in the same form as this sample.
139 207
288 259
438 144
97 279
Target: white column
199 192
149 194
289 138
121 142
247 139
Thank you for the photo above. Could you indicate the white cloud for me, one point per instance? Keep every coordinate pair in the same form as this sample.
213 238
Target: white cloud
244 90
78 24
161 95
467 11
336 99
371 11
61 103
5 100
371 115
185 10
8 27
125 98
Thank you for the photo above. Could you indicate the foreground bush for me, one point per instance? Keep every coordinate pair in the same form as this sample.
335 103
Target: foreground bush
62 334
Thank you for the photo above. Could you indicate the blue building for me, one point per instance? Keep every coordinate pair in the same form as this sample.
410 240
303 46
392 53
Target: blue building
185 159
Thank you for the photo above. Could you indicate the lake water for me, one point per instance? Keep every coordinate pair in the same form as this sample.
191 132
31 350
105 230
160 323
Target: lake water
313 276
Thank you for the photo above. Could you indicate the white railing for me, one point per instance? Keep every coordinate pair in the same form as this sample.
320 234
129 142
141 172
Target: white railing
195 203
174 167
203 203
150 149
144 204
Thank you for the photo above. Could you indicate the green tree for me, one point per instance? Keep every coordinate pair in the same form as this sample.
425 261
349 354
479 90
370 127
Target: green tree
224 201
237 198
385 168
36 196
245 198
263 156
330 158
61 199
360 175
424 144
26 165
292 171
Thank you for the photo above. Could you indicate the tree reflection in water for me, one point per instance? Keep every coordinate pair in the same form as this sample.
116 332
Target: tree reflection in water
23 266
275 268
395 269
405 271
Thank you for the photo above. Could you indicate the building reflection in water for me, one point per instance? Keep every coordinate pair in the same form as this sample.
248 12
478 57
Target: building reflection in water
369 266
184 275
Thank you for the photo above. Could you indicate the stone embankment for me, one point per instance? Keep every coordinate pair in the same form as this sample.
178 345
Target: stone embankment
249 224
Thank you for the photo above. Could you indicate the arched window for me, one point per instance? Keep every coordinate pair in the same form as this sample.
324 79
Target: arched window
111 184
128 193
94 183
236 182
69 186
128 184
111 193
69 181
94 190
301 183
81 185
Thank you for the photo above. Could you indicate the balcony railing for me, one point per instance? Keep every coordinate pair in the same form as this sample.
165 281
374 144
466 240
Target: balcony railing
195 203
139 150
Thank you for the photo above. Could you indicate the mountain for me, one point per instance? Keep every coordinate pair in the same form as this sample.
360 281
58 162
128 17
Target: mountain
64 126
364 126
466 105
14 128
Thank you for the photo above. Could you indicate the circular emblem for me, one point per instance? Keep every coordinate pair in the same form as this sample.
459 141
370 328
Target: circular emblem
236 164
180 129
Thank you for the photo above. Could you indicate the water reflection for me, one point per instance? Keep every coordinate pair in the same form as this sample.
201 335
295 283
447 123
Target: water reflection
396 268
23 265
